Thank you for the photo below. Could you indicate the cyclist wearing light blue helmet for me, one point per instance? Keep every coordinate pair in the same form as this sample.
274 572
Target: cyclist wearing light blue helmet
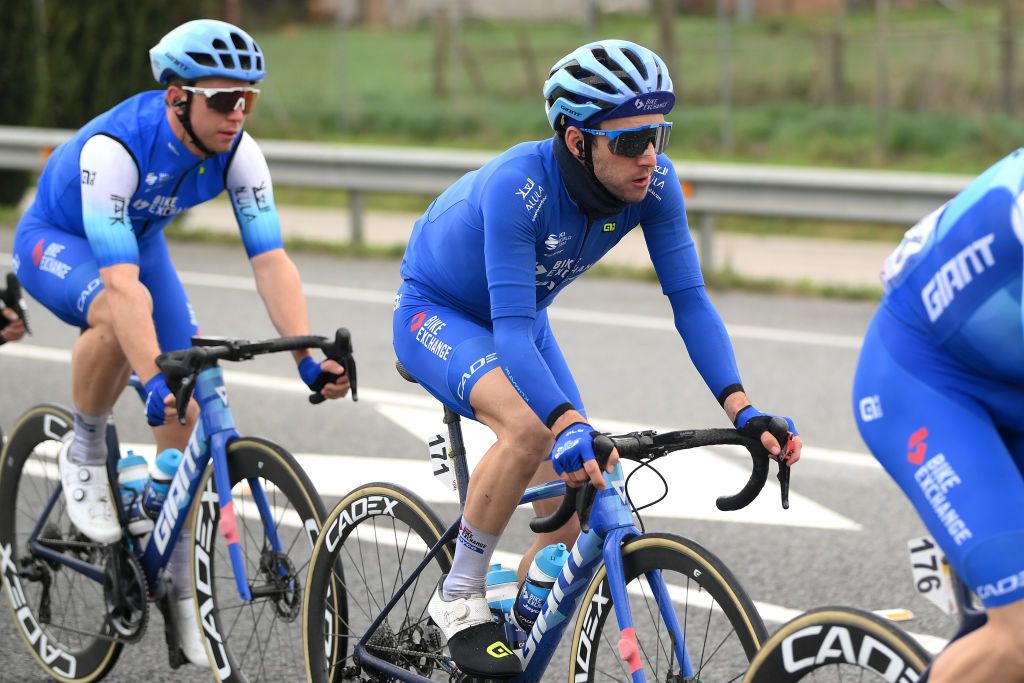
91 249
485 261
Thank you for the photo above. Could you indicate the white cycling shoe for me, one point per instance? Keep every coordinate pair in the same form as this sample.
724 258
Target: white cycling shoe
190 640
476 642
87 498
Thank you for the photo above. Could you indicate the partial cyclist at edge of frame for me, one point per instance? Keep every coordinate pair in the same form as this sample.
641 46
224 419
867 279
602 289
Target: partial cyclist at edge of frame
91 250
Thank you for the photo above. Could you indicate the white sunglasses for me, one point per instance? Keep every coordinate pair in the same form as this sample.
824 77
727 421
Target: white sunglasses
227 100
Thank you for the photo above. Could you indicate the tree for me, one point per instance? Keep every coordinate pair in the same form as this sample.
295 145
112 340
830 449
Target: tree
18 81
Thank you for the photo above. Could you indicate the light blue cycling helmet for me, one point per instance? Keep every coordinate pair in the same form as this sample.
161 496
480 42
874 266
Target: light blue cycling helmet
606 79
207 47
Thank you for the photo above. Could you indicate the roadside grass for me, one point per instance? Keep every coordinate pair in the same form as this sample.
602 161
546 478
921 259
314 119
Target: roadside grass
377 86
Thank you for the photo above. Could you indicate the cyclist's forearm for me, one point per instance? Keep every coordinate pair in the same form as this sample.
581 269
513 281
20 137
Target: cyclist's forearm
131 317
279 285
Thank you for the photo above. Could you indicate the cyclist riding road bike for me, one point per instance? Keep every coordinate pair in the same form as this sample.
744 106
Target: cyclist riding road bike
483 264
938 394
91 249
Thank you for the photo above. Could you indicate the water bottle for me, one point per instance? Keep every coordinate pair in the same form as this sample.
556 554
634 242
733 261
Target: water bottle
502 589
539 580
132 477
163 472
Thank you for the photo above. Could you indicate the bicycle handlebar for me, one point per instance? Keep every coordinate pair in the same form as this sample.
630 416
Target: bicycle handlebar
11 298
180 368
648 446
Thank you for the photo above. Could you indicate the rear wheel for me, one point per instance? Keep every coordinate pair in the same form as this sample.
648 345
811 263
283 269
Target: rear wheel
261 639
838 644
59 612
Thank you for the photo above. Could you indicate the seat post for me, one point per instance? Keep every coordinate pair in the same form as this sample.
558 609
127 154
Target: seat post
457 454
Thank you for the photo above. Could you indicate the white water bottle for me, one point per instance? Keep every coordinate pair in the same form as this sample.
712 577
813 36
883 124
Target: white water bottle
546 567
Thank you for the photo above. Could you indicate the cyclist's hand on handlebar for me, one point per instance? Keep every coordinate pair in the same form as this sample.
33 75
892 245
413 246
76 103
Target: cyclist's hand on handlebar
159 401
327 378
12 328
753 423
573 456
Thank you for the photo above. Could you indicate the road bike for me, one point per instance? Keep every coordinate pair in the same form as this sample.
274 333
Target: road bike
843 643
681 613
257 514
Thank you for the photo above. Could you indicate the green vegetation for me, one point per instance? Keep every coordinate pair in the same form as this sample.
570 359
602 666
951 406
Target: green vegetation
376 86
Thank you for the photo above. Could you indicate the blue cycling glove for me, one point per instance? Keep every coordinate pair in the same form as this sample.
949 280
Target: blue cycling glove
309 371
156 393
573 446
753 423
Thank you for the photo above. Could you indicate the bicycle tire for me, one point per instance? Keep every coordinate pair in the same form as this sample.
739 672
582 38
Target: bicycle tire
828 643
401 528
75 642
258 640
698 580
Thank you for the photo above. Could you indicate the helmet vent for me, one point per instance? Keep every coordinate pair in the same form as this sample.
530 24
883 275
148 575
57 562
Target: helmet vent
245 61
227 59
637 62
259 63
203 59
239 41
219 44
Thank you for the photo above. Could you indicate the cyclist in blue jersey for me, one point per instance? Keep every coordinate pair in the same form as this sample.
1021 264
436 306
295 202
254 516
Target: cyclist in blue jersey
938 394
91 250
488 257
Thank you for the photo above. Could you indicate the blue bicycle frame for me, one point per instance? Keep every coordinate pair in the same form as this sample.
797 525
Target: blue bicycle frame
611 524
210 439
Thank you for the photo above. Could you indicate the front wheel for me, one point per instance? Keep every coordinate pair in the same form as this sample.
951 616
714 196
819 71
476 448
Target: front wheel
721 628
838 644
261 639
371 544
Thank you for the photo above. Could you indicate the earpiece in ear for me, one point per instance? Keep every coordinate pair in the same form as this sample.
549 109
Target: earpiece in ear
179 104
579 151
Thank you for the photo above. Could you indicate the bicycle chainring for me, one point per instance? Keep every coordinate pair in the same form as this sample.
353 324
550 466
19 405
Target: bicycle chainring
127 608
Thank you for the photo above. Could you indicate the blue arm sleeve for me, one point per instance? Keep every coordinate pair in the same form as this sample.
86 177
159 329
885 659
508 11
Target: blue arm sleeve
524 366
510 259
705 337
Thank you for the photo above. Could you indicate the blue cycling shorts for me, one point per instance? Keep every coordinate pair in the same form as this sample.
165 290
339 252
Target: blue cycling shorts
953 440
448 351
60 272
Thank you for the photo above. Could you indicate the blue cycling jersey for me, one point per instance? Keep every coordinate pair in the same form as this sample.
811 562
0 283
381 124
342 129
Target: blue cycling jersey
498 246
940 382
169 180
956 276
505 239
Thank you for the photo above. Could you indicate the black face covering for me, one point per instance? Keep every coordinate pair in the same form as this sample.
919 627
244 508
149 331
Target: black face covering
584 187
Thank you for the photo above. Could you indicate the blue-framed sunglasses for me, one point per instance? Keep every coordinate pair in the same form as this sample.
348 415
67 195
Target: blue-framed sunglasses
632 142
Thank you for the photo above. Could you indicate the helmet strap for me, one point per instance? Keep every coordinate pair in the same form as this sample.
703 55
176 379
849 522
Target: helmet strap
184 117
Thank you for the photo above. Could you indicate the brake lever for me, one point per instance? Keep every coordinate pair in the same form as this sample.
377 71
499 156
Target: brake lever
783 475
339 350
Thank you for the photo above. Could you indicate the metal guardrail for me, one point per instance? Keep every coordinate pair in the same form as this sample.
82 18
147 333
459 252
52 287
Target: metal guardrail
711 189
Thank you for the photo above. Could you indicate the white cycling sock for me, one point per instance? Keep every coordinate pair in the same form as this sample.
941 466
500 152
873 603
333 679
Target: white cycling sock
90 444
179 568
473 550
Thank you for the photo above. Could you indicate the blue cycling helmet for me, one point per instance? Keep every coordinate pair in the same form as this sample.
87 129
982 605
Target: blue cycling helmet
604 80
207 47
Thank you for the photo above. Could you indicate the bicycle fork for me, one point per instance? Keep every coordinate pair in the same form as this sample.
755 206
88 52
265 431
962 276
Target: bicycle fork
613 519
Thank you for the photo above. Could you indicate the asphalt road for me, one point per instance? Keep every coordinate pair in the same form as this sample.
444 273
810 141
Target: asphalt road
842 542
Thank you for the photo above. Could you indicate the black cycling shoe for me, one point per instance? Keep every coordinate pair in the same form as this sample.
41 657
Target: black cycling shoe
476 642
481 651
